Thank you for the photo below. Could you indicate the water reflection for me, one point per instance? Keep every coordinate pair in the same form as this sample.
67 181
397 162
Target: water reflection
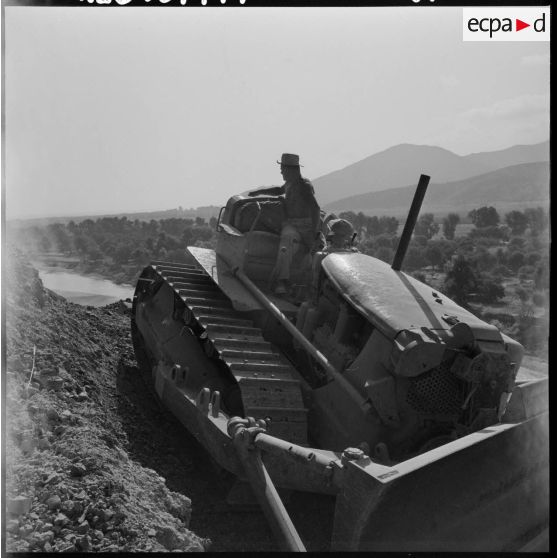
83 289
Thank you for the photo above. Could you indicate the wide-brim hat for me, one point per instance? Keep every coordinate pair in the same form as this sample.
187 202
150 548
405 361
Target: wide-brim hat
289 160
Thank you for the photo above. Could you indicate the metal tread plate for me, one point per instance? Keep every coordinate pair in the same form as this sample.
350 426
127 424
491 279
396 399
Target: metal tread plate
267 382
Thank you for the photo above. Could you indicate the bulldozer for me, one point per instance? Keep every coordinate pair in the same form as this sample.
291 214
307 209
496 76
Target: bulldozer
362 383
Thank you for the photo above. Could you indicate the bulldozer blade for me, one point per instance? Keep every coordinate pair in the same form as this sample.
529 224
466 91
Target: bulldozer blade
486 492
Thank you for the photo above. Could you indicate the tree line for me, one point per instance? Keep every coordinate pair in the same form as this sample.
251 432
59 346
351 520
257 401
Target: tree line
476 266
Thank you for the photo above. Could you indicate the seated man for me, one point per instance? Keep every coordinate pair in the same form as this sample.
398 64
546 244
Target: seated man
341 236
302 218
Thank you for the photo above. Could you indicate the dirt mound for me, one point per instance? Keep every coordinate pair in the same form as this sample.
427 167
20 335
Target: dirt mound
93 461
72 483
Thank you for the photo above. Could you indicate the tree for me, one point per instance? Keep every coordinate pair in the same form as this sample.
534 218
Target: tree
449 224
447 247
383 240
426 226
360 222
94 253
202 234
415 258
388 225
123 252
460 281
140 255
80 242
434 256
373 227
537 220
484 259
419 240
489 290
484 217
517 222
45 244
187 236
494 232
516 260
59 233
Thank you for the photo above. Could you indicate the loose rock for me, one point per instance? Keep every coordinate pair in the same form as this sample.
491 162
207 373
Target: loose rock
61 519
54 502
52 415
83 527
78 470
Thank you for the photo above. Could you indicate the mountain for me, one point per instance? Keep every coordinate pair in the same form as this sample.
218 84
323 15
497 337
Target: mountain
515 155
513 187
403 164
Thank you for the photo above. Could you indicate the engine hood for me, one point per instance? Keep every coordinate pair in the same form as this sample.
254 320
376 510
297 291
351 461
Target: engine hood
392 300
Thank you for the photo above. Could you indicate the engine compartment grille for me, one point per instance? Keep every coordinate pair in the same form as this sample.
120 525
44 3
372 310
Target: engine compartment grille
436 392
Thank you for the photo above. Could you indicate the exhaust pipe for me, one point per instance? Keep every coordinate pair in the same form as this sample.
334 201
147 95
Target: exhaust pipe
410 223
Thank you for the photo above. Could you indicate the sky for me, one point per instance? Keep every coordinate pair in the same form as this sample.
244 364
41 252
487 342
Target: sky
127 109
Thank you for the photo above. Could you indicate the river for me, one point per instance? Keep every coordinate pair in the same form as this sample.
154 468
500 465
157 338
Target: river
88 290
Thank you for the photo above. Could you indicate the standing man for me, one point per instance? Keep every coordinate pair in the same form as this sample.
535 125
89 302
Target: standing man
302 218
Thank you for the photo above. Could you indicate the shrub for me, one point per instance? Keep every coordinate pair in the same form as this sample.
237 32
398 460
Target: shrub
489 290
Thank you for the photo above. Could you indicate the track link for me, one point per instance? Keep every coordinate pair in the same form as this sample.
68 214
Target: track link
266 379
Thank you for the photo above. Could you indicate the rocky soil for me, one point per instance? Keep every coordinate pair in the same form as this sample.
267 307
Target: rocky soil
92 462
72 483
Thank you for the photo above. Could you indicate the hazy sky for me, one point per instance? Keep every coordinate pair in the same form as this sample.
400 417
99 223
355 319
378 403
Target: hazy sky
129 109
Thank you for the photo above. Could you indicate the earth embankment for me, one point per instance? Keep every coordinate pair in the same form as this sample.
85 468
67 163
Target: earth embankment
92 461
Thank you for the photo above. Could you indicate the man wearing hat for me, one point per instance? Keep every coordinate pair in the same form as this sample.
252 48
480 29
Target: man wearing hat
341 236
302 218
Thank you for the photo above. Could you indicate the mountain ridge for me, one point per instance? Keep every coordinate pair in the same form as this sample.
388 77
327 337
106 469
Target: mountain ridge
402 164
515 186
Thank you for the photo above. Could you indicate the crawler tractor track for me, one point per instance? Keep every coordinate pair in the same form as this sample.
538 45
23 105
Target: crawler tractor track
266 379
